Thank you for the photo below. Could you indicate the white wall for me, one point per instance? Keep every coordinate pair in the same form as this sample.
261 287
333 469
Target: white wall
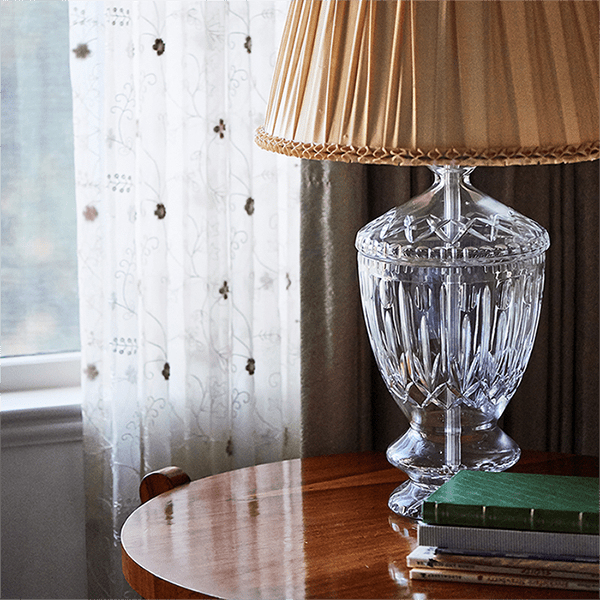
43 512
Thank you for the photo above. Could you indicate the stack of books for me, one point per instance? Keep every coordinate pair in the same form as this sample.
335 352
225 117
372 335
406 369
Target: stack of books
511 529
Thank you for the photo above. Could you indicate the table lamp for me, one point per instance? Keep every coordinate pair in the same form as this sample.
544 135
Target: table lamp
451 281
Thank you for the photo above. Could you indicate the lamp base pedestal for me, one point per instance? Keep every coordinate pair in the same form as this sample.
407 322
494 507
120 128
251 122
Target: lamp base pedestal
406 499
422 454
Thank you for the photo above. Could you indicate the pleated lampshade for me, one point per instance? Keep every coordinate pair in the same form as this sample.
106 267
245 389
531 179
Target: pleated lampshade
408 82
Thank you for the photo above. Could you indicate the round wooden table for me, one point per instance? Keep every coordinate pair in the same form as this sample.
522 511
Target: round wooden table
312 528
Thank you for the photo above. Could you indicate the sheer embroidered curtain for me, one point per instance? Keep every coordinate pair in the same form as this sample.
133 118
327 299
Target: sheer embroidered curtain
188 252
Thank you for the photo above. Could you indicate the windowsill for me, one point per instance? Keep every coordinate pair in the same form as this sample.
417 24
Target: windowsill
43 399
40 372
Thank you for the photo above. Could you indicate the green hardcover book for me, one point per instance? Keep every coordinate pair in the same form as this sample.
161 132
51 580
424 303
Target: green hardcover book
516 501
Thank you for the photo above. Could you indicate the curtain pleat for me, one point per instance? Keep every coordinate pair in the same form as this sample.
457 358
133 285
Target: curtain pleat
335 372
556 406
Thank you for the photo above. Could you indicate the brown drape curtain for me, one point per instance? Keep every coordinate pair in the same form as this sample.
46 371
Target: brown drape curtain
345 404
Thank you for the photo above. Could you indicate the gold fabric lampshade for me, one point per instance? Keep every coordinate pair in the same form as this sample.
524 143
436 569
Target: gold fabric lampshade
409 82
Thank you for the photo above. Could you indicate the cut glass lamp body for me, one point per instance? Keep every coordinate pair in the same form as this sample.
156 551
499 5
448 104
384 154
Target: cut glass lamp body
451 285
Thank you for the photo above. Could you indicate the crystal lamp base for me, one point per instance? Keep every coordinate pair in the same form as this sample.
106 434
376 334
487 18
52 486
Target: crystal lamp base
421 453
451 285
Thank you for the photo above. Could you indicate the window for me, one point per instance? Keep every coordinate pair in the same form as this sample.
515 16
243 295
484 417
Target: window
39 260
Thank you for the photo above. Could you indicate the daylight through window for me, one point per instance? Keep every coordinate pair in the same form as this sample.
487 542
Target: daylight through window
39 264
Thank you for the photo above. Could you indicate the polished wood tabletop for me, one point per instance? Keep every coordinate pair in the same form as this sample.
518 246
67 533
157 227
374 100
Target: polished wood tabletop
311 528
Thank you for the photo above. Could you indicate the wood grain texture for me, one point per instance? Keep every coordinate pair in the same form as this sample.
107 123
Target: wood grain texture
311 528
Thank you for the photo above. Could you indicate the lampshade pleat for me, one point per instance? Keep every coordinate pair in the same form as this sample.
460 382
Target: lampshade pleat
418 82
347 113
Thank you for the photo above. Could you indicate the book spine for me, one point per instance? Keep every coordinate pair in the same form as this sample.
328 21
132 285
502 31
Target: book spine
499 579
442 513
530 571
479 539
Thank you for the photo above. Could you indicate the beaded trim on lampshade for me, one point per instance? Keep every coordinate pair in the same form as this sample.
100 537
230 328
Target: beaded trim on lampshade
408 157
410 82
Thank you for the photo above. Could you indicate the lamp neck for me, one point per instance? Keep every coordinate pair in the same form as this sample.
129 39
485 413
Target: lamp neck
447 173
451 178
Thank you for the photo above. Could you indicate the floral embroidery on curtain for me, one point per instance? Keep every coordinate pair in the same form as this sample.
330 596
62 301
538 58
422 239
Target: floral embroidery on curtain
188 252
